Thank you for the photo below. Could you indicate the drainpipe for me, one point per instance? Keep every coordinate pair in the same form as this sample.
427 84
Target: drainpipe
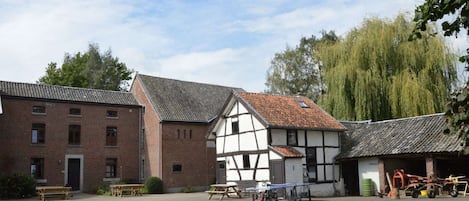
140 144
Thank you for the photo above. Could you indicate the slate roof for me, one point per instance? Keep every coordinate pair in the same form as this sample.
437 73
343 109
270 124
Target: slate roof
63 93
287 151
415 135
177 100
284 112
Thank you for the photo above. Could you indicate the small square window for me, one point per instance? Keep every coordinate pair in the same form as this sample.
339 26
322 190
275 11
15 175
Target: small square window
111 113
111 167
111 136
37 168
39 109
234 127
75 111
38 133
74 134
292 138
177 168
246 162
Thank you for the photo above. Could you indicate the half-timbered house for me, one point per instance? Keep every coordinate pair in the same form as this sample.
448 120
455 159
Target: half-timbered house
277 139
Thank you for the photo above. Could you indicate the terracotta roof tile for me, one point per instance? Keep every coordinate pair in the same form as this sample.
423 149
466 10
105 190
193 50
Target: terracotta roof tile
286 112
287 152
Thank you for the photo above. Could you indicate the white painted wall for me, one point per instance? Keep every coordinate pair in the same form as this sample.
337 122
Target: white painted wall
368 169
279 136
294 170
314 138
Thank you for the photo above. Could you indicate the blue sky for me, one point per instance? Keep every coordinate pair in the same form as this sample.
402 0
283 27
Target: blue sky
229 42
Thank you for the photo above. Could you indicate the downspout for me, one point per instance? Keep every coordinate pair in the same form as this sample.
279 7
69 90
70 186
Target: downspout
140 144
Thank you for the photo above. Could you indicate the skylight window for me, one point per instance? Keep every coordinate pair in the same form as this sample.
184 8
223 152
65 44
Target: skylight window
302 104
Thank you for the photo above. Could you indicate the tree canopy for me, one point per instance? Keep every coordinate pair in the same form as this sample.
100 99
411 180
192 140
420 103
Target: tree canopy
296 71
91 69
376 73
457 111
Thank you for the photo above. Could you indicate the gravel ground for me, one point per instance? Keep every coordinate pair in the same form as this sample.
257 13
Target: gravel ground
202 196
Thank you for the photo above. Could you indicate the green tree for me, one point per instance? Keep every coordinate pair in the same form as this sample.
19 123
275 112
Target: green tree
376 73
91 69
457 112
296 71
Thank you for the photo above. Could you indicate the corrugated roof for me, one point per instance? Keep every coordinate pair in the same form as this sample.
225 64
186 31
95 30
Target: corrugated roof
63 93
287 151
177 100
422 134
287 112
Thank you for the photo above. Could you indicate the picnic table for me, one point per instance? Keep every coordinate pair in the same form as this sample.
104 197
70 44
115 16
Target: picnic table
134 189
43 191
223 190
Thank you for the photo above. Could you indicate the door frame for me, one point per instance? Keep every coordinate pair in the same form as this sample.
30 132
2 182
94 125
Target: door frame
74 156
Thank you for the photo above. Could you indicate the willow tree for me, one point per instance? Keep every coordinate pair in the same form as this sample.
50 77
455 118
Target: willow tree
376 73
296 71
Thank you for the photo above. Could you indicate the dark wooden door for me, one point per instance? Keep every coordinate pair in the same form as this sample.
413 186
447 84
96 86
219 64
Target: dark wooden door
277 172
74 174
351 180
221 172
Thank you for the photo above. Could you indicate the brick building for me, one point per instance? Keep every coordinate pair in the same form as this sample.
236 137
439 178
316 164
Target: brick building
69 136
176 121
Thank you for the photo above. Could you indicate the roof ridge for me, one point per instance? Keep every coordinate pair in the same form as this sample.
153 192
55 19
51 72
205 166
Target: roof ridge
64 87
189 82
407 118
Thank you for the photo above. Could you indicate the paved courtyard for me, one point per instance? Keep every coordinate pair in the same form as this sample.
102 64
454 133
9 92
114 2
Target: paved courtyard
202 196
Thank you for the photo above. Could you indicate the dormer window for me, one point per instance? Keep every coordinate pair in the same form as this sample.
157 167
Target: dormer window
302 104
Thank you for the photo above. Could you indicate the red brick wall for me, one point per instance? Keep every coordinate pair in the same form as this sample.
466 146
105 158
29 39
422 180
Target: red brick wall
163 149
190 151
17 150
151 123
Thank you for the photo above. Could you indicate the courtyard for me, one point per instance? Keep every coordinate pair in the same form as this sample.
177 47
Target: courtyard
202 196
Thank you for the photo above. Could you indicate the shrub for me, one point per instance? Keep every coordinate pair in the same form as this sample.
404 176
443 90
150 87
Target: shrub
100 192
17 186
154 185
187 189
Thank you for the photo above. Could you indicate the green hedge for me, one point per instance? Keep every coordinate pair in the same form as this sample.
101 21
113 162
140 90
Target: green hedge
154 185
17 186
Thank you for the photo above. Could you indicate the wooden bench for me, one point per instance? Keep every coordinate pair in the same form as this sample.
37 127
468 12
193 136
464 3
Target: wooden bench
133 189
223 190
44 191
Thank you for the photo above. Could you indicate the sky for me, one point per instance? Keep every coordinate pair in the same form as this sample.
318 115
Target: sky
223 42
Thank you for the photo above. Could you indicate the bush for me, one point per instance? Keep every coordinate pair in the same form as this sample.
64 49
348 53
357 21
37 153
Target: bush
154 185
17 186
187 189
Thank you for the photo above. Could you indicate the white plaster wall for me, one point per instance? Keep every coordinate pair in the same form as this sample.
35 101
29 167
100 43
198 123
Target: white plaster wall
301 138
314 138
330 154
242 109
221 129
247 141
257 124
331 138
294 170
262 139
247 174
231 143
319 155
220 143
368 169
262 175
274 156
245 123
263 161
234 109
279 136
